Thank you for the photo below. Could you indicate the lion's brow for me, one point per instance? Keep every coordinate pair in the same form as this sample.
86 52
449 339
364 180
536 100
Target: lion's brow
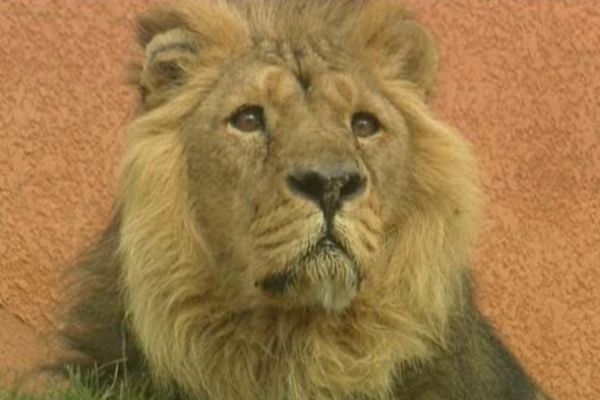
301 75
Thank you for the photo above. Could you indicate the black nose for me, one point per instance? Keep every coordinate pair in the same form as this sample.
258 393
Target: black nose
328 186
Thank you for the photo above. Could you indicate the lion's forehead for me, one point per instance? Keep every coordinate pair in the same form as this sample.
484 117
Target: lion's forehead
283 70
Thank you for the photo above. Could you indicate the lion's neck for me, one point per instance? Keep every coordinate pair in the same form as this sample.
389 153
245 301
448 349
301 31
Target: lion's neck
291 355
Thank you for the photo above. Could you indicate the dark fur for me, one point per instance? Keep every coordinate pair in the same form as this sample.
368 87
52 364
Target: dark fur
96 321
476 366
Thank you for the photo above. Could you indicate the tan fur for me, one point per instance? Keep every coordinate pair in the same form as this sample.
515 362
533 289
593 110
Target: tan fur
206 325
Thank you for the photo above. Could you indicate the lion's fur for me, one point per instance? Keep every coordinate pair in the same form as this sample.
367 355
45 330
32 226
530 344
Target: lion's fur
199 321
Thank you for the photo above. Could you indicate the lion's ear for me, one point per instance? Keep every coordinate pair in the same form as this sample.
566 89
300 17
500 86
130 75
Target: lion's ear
417 54
169 52
398 46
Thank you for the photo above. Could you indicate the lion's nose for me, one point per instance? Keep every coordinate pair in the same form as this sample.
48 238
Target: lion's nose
328 186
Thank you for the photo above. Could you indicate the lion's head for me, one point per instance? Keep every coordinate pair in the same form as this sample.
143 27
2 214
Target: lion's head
290 207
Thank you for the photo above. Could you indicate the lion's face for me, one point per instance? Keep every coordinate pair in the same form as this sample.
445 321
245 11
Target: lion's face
294 170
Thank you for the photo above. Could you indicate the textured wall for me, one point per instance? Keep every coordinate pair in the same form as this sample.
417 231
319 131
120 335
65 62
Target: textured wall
520 79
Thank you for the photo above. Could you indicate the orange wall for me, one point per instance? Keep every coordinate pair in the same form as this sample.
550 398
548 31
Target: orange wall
521 79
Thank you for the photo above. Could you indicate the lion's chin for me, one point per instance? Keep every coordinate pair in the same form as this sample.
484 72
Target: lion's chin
327 294
324 277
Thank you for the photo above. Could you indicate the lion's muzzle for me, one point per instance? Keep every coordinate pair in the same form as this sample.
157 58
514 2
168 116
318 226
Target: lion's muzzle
325 275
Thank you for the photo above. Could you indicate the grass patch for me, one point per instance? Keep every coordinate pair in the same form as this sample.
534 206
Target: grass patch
84 387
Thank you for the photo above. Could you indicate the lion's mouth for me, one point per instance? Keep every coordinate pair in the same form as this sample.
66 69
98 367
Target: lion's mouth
325 273
327 246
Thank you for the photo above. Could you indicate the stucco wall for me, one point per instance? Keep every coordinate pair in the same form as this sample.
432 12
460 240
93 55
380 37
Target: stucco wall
521 79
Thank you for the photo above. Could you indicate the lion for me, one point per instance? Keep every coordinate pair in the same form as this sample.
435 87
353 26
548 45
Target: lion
292 222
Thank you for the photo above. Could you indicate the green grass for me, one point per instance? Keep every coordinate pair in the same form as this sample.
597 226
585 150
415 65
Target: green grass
82 387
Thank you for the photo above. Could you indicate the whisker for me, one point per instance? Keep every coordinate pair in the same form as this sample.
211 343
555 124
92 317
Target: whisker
367 227
271 244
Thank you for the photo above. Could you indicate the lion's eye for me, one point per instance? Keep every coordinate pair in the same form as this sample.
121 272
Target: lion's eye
248 119
365 124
